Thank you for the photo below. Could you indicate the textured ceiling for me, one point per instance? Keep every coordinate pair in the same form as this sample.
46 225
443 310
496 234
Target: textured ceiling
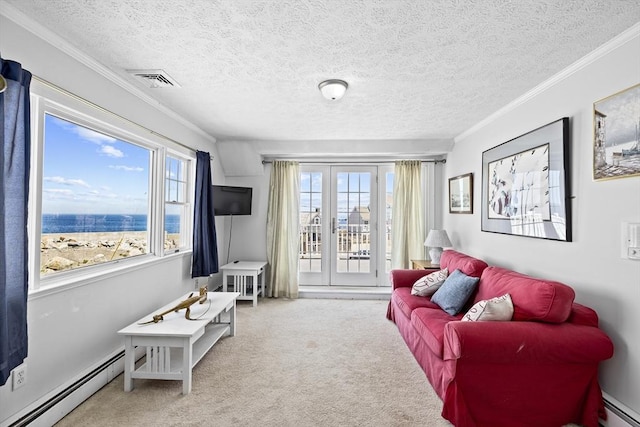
417 69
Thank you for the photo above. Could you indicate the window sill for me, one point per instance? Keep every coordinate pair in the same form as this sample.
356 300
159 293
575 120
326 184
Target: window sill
52 286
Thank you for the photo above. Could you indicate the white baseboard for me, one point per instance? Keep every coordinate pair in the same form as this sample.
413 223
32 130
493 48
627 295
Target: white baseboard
53 406
341 292
618 414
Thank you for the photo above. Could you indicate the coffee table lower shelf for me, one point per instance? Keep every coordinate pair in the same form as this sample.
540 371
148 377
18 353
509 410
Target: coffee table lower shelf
166 362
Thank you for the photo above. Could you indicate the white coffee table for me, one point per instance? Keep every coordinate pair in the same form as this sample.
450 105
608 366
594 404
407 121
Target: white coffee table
241 271
175 344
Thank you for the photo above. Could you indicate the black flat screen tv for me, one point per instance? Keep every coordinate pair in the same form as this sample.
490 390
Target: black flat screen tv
228 200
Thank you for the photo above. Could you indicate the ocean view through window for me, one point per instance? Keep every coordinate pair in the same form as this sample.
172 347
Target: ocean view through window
95 198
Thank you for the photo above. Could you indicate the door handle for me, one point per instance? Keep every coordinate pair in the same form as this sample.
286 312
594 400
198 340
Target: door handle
333 225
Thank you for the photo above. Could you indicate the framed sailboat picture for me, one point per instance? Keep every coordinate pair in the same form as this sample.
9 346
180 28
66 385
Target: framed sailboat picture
616 135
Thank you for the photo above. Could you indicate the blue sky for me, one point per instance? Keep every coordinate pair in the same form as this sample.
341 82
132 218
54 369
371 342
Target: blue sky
86 172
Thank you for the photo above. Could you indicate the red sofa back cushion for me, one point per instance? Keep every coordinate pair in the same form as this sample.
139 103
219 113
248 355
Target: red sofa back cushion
458 261
533 299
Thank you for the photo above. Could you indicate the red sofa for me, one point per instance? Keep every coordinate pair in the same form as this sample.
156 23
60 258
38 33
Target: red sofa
540 369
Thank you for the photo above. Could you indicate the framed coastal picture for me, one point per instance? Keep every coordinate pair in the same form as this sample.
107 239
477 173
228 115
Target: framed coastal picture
525 184
616 135
461 194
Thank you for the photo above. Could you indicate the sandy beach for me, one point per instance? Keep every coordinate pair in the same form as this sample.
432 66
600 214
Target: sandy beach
65 251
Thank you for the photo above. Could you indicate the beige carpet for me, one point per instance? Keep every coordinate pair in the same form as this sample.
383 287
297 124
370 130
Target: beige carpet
305 362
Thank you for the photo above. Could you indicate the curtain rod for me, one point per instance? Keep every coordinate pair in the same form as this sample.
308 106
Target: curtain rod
337 162
98 107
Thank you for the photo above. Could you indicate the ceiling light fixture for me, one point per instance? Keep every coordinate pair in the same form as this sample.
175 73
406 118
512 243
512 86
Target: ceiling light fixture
333 89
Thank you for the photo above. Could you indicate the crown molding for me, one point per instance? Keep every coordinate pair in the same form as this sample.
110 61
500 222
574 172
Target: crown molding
61 44
586 60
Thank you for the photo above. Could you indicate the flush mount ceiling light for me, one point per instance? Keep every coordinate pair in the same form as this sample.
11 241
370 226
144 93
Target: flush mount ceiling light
333 89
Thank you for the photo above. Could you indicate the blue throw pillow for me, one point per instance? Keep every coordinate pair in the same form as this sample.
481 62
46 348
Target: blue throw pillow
454 292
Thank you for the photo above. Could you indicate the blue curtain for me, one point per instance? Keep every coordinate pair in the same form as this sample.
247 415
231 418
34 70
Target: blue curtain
205 242
14 192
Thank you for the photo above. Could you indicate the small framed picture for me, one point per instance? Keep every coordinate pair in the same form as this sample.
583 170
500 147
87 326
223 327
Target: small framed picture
461 194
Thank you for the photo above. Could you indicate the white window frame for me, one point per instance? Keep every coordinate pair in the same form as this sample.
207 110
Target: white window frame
186 226
383 273
47 99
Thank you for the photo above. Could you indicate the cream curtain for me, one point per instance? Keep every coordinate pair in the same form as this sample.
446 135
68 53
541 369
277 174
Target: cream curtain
283 229
407 241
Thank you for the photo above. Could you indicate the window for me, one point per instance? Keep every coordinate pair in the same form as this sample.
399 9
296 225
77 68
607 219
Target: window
105 193
95 197
176 207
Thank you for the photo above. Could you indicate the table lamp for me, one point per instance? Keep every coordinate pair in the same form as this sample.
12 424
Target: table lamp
436 240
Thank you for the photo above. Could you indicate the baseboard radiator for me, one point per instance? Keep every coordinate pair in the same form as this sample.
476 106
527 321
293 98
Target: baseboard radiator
618 410
35 415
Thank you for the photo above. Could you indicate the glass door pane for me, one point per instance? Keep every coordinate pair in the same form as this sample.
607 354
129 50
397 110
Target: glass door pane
310 222
353 225
313 226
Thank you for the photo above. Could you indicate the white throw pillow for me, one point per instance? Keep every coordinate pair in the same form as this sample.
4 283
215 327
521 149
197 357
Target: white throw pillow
498 308
429 284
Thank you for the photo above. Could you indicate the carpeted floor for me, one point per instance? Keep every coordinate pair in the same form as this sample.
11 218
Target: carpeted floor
305 362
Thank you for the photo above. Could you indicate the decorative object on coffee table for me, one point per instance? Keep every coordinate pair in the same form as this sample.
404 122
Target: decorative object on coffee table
436 240
187 303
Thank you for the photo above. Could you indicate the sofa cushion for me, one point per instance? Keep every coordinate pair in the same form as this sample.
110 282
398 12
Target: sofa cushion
533 299
407 302
429 284
430 323
454 292
470 266
494 309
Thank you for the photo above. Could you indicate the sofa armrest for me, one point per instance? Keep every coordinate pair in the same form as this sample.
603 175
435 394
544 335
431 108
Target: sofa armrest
405 278
525 342
582 315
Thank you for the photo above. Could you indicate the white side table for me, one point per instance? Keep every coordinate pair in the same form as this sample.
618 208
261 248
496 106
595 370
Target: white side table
242 270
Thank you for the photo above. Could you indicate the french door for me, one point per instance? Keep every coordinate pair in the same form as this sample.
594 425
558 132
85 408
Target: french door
342 241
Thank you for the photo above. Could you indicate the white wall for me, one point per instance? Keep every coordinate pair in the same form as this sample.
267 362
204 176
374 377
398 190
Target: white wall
249 233
73 330
592 263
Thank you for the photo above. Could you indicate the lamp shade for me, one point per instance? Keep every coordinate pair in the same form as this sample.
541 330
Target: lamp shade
333 89
438 239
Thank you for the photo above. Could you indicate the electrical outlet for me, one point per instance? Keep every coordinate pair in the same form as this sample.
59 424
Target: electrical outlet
19 376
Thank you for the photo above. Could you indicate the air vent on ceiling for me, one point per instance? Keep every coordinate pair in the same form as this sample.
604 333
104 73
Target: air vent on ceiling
154 78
